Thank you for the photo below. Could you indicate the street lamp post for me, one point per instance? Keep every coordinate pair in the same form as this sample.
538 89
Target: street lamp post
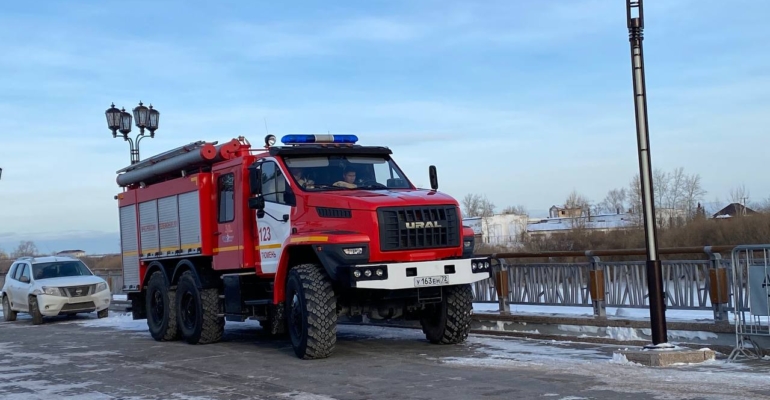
120 121
635 15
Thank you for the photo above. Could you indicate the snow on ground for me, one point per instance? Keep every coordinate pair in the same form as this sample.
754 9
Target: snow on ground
625 313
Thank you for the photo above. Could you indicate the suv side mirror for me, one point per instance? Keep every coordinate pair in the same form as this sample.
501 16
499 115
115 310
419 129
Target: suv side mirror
24 279
255 179
433 177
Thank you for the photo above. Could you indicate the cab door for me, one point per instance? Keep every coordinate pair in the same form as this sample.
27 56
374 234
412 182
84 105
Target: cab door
228 247
274 225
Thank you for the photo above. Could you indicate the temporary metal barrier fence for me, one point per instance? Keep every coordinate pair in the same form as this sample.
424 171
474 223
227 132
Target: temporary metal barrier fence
751 280
688 284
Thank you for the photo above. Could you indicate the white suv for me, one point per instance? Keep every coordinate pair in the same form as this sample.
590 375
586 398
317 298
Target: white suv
50 286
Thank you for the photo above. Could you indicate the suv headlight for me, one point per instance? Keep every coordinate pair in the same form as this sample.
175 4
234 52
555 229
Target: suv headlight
100 287
53 291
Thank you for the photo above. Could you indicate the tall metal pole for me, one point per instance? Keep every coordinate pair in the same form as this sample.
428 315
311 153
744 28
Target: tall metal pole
635 14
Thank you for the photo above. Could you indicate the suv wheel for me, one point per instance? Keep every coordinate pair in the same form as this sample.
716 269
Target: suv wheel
34 310
8 314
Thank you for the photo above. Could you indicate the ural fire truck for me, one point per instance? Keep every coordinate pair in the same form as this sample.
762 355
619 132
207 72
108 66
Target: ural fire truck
294 236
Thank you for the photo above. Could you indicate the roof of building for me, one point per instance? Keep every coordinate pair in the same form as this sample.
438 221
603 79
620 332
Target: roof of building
733 209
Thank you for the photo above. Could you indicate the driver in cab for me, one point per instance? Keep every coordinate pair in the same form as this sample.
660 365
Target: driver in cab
301 179
348 179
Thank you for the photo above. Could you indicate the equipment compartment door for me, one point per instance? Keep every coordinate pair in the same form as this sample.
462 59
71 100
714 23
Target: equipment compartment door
275 226
228 248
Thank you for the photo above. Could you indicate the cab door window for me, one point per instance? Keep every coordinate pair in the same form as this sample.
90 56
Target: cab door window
274 185
226 189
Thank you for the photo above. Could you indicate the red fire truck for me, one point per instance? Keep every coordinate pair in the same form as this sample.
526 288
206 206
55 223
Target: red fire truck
294 236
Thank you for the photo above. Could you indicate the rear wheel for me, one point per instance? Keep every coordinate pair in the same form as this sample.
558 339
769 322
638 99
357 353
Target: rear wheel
311 312
34 311
161 312
449 322
198 314
8 314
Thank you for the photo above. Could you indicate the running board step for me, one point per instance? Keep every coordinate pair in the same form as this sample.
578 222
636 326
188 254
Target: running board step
264 302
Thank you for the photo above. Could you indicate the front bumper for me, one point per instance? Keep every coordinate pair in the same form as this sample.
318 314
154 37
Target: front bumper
56 305
410 275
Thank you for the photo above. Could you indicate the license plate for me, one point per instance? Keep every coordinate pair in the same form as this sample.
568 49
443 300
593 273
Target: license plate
431 280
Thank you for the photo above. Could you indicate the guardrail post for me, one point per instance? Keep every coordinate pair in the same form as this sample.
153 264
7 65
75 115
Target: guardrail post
500 277
596 287
719 292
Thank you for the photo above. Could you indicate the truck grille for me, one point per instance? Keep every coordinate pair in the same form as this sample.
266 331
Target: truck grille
407 228
78 291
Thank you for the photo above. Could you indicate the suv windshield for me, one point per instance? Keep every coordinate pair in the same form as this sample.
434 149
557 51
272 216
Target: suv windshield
59 269
336 172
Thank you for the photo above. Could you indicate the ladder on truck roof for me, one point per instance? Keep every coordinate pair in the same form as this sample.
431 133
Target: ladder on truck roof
165 156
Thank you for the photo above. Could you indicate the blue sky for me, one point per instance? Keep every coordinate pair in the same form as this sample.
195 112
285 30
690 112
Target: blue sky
522 101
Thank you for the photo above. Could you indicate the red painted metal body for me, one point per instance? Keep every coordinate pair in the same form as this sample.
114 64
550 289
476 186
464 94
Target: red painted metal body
234 246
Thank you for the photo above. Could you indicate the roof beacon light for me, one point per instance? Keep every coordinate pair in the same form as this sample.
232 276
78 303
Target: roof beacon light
317 139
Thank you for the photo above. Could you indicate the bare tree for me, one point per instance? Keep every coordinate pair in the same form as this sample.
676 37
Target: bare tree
3 254
661 184
577 201
25 248
470 204
763 206
476 205
615 202
693 194
739 194
516 210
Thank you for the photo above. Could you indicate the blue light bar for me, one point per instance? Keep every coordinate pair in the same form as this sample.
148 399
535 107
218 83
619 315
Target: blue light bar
310 139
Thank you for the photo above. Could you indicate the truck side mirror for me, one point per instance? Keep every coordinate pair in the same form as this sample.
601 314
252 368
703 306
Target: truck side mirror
24 279
257 203
433 177
255 179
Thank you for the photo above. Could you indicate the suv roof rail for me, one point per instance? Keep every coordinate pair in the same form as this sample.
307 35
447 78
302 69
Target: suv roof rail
26 258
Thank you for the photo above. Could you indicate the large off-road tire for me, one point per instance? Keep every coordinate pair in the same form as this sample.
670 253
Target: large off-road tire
8 314
449 322
311 312
34 311
161 310
198 314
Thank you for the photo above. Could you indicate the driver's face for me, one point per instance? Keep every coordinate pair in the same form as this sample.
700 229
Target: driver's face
350 177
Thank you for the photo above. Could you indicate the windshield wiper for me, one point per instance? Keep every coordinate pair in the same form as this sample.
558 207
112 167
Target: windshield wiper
374 187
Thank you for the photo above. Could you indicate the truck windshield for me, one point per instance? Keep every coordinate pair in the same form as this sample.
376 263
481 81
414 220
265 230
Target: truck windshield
334 172
59 269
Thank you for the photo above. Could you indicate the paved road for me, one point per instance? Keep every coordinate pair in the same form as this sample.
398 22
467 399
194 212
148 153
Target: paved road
115 358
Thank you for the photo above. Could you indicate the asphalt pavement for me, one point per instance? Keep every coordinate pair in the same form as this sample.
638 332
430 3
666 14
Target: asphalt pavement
115 358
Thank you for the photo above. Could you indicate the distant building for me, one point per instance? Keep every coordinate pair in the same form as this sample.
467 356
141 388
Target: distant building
601 223
498 230
559 212
71 253
733 210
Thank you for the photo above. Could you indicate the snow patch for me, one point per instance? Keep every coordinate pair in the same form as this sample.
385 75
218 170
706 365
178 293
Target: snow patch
621 333
578 328
305 396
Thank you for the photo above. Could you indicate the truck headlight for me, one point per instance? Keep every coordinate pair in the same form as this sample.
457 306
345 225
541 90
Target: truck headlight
467 243
53 291
100 287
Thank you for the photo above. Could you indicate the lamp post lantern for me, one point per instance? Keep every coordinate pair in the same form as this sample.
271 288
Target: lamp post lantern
120 121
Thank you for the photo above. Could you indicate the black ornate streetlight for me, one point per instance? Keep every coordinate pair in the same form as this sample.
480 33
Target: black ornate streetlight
120 120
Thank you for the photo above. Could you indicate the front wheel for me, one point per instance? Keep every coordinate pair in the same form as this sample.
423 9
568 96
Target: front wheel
103 313
449 322
34 310
311 312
